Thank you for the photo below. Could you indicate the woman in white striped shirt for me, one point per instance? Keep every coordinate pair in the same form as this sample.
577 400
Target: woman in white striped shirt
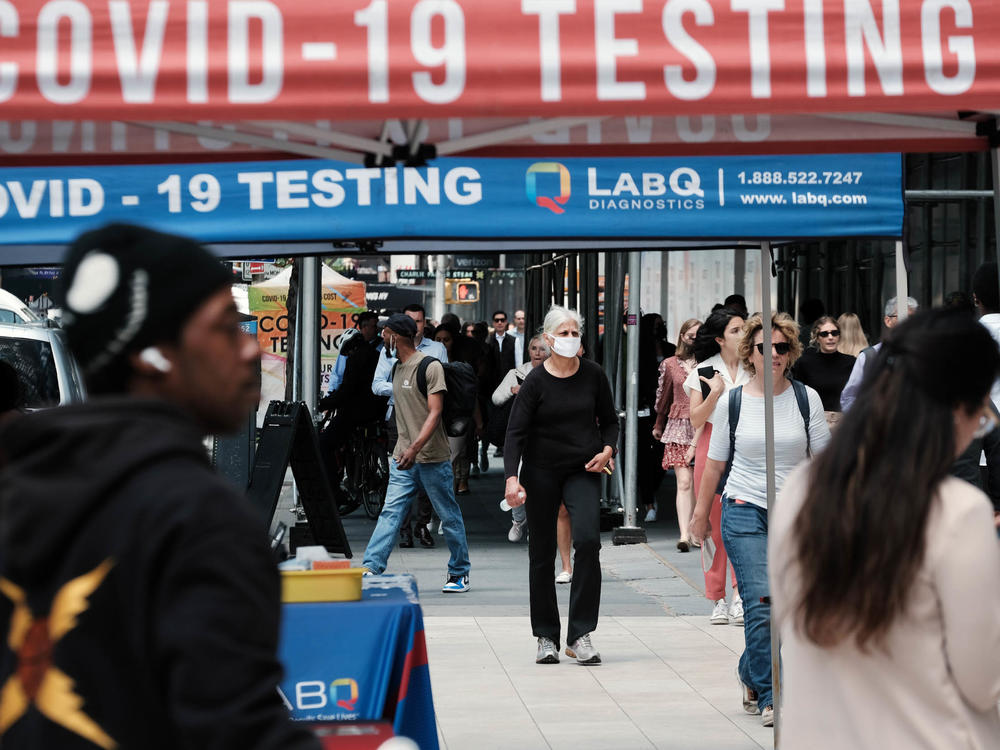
800 429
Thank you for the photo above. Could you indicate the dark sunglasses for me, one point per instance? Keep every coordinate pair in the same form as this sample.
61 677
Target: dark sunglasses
781 347
824 334
499 320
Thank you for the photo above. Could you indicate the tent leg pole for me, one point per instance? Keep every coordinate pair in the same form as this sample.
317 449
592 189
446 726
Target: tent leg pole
995 161
309 330
629 532
902 287
767 311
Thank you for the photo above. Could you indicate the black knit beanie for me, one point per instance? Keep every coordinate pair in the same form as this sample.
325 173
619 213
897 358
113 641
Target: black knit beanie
125 287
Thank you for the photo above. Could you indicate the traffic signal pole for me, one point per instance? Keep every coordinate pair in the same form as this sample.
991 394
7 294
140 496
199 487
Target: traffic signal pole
439 274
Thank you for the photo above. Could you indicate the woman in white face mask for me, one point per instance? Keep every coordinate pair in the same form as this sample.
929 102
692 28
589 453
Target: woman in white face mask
562 431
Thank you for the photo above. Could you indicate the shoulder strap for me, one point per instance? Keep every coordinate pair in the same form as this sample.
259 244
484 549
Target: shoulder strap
735 403
422 373
802 399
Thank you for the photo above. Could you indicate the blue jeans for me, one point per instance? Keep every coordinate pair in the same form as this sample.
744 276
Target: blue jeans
744 532
437 481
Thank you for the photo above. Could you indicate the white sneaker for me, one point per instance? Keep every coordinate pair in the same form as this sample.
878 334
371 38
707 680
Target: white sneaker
516 532
547 652
650 515
736 611
565 577
583 651
720 615
747 695
440 528
767 717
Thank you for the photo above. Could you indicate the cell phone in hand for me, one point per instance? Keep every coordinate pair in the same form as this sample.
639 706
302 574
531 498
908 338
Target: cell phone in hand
708 372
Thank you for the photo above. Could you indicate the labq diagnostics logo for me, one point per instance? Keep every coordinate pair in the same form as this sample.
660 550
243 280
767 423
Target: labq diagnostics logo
554 202
315 694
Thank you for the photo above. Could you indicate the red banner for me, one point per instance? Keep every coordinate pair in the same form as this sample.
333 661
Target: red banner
372 59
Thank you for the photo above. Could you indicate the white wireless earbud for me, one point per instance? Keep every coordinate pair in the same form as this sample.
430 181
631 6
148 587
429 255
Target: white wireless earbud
155 359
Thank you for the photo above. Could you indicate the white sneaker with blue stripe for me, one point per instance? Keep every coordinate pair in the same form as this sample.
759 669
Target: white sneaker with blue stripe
456 585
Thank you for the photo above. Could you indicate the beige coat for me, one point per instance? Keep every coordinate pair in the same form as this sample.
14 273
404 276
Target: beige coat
938 683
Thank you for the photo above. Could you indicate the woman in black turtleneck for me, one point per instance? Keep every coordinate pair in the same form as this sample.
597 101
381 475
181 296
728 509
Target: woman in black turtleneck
823 368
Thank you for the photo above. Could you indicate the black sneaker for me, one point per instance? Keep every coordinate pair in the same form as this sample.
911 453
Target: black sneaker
406 538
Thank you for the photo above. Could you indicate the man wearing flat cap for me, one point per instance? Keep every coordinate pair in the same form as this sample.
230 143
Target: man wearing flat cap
139 604
422 457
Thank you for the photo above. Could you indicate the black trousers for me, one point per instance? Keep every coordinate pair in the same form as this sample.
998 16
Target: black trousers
649 464
581 492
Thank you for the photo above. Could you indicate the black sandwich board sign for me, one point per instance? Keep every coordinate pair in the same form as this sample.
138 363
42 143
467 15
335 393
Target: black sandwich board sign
288 437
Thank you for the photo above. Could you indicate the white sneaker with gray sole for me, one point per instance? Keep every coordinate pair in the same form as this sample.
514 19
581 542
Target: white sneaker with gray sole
583 651
736 611
547 652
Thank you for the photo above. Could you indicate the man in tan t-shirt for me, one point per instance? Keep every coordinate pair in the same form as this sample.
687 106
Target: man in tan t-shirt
421 459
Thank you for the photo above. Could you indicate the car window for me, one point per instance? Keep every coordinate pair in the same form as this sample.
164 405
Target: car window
8 316
36 368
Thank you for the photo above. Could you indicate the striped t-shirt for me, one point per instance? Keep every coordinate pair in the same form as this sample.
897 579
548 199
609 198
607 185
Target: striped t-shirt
748 477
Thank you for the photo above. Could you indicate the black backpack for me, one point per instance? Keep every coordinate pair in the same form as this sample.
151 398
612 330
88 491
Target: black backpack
459 399
736 401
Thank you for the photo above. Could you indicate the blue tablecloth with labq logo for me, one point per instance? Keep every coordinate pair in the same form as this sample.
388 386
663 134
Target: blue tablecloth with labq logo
363 660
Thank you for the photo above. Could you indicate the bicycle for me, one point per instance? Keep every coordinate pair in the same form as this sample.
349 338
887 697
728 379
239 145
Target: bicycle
365 476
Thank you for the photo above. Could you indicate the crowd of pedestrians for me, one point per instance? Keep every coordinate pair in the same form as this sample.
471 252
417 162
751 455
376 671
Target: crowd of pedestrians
880 576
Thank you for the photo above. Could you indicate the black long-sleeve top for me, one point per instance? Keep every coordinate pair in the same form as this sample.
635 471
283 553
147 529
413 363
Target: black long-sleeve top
561 423
826 373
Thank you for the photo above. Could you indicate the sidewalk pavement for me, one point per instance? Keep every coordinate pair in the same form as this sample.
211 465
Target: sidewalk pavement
668 677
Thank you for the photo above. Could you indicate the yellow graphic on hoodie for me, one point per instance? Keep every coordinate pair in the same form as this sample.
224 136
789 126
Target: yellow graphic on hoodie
37 681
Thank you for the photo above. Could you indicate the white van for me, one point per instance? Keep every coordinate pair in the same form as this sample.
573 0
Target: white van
13 310
48 372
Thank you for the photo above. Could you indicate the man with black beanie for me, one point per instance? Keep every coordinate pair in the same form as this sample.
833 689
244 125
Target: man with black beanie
139 604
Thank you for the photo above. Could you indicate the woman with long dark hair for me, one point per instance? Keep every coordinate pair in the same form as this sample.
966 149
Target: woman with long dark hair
649 456
885 571
715 346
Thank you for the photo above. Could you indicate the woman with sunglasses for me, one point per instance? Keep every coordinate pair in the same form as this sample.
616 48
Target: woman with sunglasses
744 496
823 368
885 568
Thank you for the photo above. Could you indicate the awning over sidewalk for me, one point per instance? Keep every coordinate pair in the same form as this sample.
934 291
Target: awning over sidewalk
371 59
159 80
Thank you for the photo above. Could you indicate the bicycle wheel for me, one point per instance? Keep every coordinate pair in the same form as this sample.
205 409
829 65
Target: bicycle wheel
376 481
347 497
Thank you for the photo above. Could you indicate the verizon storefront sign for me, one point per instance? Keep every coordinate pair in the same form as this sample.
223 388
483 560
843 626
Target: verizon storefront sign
355 59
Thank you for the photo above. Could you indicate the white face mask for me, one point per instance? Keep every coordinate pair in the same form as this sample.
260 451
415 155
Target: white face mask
565 346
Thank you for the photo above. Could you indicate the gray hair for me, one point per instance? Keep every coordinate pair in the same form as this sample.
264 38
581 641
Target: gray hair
541 340
890 306
557 315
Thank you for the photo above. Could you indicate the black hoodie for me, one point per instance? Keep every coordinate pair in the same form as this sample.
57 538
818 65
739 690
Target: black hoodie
139 606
